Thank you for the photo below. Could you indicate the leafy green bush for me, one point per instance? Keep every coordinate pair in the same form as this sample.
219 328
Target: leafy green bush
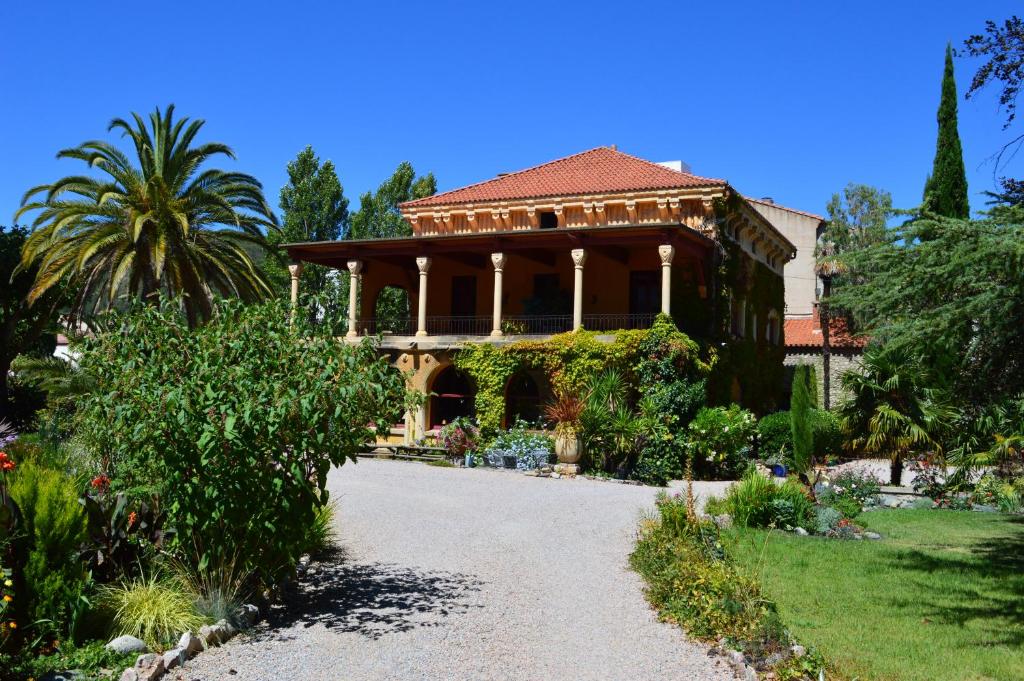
756 501
1004 494
850 491
236 422
155 609
775 435
719 442
828 434
90 659
826 519
54 527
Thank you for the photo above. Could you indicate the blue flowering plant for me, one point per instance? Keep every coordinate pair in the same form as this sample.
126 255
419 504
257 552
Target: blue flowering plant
530 449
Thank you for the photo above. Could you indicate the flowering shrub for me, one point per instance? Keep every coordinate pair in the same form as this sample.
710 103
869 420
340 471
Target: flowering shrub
850 491
720 441
529 449
460 436
7 623
1004 494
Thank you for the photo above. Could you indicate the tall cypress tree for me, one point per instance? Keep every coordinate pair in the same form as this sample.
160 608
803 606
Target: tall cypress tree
945 191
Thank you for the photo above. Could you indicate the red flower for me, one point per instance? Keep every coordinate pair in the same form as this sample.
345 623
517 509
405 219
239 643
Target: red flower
101 483
6 463
132 517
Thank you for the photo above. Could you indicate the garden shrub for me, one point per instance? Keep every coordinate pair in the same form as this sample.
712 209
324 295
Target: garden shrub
1004 494
775 436
235 423
827 434
826 519
720 442
693 582
849 491
320 536
54 527
757 501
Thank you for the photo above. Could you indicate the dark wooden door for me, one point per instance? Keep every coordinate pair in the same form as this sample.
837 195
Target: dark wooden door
464 296
644 292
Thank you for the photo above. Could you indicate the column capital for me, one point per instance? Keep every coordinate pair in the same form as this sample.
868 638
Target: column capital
295 269
666 252
355 267
579 256
423 263
499 260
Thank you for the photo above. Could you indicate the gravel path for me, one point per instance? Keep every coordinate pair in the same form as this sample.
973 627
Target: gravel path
470 574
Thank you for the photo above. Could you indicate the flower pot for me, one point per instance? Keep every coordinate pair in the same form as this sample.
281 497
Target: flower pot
778 470
567 448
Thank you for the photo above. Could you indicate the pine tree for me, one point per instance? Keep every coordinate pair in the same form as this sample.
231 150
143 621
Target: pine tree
945 191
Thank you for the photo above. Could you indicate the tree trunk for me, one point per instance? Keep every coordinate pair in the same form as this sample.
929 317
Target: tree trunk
826 344
896 471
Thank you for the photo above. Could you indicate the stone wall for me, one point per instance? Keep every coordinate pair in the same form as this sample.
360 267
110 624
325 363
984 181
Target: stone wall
841 361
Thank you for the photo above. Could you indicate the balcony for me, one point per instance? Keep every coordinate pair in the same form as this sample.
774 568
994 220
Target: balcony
478 328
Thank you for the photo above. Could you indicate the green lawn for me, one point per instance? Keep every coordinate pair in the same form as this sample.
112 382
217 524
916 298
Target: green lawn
941 596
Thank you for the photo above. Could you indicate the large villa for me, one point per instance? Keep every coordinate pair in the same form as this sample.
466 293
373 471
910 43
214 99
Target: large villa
600 241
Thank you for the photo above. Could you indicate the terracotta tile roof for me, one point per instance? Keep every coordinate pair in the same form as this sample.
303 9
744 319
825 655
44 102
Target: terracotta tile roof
781 207
806 333
600 170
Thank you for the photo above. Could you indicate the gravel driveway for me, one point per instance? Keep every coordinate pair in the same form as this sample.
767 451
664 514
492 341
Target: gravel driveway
470 574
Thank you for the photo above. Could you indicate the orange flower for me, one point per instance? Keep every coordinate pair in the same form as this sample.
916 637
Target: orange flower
132 517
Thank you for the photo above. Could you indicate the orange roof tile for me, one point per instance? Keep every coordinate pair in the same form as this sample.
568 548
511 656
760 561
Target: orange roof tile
805 333
600 170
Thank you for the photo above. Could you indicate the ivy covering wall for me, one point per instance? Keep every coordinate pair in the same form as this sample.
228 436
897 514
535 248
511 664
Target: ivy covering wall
569 360
749 366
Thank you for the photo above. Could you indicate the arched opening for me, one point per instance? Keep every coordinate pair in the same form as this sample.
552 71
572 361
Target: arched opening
391 311
525 394
453 395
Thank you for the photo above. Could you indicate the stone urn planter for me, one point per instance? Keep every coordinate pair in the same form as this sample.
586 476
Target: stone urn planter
567 447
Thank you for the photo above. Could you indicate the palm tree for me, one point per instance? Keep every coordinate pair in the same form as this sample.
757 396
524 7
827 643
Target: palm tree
890 409
163 226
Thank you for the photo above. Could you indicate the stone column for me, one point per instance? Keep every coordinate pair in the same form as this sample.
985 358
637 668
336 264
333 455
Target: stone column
423 264
355 269
666 253
579 256
295 270
498 260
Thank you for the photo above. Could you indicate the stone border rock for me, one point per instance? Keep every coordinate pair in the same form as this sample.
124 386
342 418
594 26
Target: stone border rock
151 666
751 669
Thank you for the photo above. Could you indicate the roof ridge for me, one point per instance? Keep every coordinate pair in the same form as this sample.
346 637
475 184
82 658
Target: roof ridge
502 176
438 199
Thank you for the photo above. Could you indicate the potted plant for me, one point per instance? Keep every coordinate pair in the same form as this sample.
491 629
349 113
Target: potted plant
565 411
461 438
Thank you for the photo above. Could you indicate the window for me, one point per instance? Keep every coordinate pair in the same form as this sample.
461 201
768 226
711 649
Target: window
739 317
548 220
773 328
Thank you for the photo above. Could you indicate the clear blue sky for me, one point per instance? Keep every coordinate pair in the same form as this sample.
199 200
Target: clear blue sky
783 99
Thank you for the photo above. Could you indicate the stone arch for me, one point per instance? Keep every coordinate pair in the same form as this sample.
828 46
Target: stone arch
452 394
526 392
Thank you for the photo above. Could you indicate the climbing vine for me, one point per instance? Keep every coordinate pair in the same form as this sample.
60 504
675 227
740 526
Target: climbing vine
569 360
753 365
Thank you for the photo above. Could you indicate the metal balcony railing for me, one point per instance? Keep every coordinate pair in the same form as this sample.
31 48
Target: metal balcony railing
511 325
